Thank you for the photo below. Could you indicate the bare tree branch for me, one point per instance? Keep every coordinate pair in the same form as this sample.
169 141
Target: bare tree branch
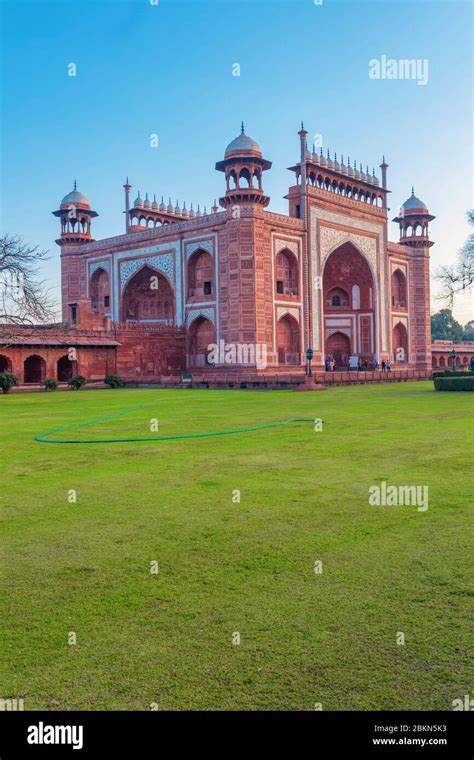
25 300
458 277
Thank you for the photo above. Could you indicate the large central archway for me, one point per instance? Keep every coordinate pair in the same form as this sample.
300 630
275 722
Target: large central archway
349 304
148 297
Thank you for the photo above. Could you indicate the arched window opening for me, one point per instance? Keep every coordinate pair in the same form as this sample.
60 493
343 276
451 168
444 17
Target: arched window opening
200 274
99 290
286 273
337 298
201 337
288 342
244 178
400 343
355 297
399 290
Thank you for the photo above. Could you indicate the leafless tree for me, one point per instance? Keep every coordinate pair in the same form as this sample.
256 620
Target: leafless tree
458 277
25 301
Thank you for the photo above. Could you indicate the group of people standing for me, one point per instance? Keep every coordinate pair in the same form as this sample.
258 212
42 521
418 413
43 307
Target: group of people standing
385 365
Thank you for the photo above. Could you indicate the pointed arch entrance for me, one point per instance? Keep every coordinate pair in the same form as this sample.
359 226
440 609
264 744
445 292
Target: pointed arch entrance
66 368
34 369
288 340
201 334
148 297
100 290
338 347
349 299
400 343
5 363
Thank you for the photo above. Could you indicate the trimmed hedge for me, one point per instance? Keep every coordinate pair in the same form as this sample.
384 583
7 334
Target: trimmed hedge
454 384
450 373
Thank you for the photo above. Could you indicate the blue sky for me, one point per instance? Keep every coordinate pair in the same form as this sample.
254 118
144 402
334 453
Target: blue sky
167 69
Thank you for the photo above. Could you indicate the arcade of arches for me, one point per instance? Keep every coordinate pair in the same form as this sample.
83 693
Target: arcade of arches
148 296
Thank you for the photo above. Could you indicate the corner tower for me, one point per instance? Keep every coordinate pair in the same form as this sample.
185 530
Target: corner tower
243 166
75 214
413 220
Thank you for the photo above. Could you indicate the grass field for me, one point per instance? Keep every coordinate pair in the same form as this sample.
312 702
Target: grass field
227 567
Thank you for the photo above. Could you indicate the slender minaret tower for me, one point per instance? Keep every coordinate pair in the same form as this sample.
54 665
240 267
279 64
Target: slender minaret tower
127 187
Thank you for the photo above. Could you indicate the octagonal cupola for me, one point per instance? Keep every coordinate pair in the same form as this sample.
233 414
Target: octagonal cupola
75 213
413 220
243 166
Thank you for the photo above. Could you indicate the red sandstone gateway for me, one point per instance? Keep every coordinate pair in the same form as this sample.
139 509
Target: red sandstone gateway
148 303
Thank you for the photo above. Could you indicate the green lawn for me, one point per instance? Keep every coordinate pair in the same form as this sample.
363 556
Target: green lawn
245 567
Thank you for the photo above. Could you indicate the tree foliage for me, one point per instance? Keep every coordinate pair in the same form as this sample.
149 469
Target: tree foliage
445 327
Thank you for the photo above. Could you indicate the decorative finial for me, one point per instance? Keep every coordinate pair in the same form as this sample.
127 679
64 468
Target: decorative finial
242 129
412 190
302 125
75 185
